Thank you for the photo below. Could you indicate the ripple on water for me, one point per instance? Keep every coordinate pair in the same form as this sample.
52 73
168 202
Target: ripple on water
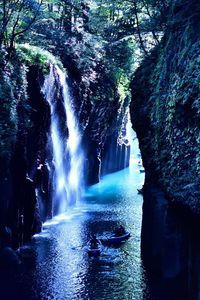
63 270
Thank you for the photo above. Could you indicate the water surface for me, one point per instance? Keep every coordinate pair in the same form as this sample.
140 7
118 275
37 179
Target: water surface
61 268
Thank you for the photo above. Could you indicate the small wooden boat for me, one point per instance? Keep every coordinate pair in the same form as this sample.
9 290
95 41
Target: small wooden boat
118 239
94 252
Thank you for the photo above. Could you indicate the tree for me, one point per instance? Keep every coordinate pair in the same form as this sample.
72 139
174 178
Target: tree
17 16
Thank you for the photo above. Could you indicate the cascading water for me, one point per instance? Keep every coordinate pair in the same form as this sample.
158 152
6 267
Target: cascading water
131 137
66 140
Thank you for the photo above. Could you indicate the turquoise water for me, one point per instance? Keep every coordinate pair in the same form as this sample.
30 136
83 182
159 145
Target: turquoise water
62 269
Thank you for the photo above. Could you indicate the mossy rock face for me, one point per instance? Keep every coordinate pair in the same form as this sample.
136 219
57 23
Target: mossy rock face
15 103
102 106
165 108
24 127
31 55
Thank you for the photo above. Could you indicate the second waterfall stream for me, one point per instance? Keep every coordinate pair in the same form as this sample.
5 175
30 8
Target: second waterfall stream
65 141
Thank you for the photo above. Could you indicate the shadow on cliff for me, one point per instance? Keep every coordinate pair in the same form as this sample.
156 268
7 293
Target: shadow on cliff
170 248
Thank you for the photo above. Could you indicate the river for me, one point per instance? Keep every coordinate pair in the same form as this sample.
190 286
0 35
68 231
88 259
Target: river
59 267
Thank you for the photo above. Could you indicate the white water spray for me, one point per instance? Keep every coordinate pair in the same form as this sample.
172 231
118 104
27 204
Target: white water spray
67 153
131 136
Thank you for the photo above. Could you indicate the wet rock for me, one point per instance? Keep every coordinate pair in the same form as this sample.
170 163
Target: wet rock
29 207
9 258
92 164
115 155
5 190
42 182
170 246
5 237
27 255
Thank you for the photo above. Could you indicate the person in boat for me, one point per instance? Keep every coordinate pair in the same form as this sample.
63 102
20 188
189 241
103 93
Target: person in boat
94 242
119 231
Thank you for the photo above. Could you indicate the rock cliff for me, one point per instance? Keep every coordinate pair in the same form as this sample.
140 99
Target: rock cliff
26 161
102 113
165 108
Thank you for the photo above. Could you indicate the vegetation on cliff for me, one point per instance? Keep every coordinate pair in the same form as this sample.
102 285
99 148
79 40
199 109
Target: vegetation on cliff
165 107
14 95
96 41
101 43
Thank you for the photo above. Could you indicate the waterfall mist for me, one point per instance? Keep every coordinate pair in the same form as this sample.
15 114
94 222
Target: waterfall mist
131 137
65 141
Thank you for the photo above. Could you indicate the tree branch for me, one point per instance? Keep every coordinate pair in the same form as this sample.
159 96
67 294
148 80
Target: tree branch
138 29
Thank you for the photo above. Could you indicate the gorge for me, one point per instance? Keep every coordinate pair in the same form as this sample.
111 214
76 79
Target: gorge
69 162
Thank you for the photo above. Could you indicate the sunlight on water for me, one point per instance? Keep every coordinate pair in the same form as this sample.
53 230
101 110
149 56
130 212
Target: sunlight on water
118 273
62 269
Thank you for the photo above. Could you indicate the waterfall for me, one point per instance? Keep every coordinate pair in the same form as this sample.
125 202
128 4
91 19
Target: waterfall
131 136
65 140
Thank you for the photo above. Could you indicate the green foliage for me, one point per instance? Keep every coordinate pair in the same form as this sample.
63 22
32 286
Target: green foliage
99 38
166 93
33 55
8 115
13 92
16 18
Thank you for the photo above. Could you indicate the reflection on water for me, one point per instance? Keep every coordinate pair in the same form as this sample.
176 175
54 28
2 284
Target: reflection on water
62 269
